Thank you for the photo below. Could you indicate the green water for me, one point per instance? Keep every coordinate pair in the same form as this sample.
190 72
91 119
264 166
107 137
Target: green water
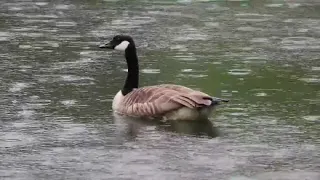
57 88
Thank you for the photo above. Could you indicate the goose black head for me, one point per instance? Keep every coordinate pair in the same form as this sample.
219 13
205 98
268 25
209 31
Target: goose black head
119 42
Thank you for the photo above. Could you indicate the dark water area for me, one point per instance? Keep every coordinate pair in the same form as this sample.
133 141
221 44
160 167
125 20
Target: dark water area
57 88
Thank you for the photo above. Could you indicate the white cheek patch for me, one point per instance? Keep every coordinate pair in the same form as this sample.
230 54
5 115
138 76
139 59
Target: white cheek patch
122 46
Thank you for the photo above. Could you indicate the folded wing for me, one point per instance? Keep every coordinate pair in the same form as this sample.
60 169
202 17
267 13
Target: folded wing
158 100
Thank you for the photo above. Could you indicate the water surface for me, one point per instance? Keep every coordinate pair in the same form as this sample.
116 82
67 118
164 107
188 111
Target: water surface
57 87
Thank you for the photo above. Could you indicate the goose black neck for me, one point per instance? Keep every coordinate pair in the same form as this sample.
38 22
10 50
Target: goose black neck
132 80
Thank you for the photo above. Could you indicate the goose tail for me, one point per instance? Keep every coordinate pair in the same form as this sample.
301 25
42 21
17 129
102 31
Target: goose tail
217 101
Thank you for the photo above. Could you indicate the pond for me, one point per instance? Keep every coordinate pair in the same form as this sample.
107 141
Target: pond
57 88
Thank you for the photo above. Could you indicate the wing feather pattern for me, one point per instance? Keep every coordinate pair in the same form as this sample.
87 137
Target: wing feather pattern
158 100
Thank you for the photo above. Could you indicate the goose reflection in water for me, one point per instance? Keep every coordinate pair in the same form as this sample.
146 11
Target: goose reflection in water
132 127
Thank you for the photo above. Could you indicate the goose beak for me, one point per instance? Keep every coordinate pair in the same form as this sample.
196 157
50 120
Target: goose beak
107 45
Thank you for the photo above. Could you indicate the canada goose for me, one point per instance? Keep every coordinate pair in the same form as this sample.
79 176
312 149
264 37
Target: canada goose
165 101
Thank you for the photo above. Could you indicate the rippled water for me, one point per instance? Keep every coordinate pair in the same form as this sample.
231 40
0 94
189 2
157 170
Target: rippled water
57 87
